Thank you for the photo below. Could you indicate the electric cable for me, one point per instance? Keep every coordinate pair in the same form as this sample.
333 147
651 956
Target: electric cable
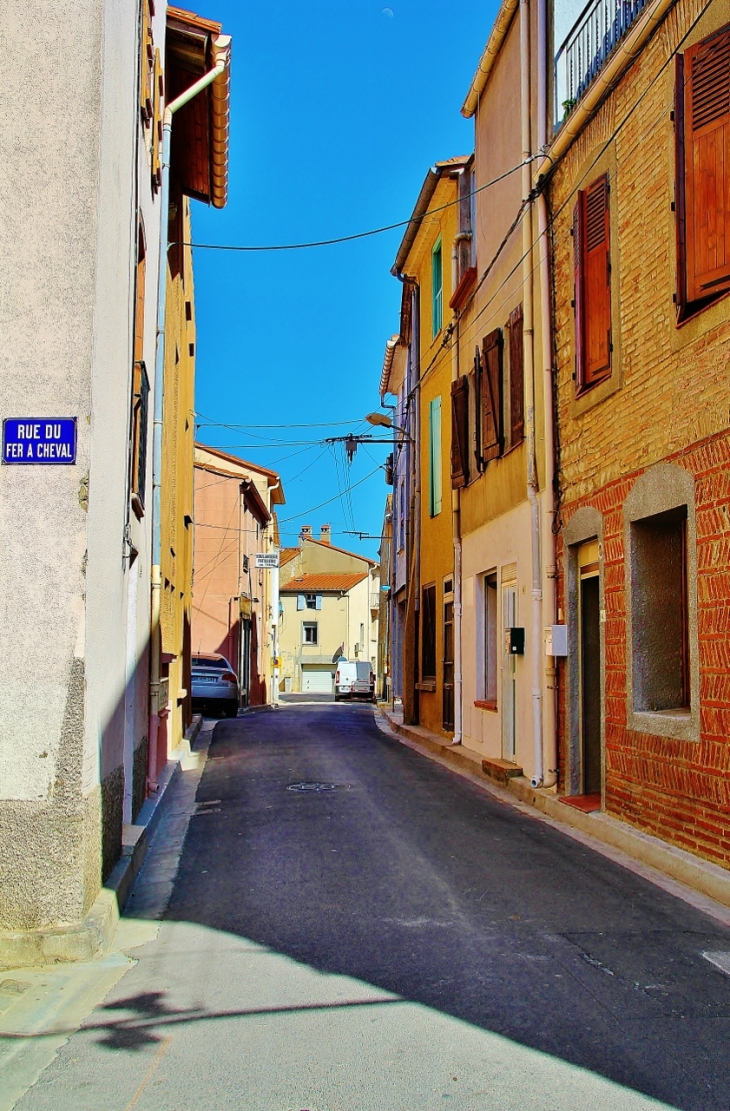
360 234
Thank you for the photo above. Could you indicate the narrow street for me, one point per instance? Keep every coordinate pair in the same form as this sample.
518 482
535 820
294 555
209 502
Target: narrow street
403 940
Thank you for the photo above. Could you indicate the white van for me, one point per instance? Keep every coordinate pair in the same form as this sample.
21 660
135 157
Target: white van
354 679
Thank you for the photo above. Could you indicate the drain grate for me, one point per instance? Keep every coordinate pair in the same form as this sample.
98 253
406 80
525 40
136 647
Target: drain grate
318 787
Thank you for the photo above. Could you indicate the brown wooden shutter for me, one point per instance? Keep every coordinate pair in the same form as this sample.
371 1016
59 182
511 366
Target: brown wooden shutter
139 297
475 439
459 432
592 303
680 206
707 165
156 134
516 376
578 295
146 62
597 281
491 425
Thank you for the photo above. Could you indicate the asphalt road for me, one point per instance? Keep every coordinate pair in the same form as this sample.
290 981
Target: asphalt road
402 940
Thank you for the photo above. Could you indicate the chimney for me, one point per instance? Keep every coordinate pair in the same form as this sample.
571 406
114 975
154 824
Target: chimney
306 530
325 534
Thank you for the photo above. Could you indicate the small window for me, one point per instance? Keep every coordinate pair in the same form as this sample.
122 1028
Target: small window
491 640
592 295
437 288
434 457
310 601
428 633
309 632
660 648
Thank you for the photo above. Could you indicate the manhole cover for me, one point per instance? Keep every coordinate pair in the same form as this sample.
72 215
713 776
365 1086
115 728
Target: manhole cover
318 787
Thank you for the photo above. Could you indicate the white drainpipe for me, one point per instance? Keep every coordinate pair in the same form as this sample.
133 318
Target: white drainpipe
456 527
529 369
550 747
221 48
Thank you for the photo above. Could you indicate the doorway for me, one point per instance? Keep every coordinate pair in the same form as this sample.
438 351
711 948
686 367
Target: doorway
590 668
509 682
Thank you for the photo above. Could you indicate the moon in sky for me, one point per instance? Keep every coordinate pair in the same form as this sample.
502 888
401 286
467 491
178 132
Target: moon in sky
388 12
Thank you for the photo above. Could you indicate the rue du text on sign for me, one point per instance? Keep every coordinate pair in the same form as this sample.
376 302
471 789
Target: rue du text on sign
39 440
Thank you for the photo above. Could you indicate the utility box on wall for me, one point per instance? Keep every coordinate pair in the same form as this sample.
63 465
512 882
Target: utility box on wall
514 642
556 640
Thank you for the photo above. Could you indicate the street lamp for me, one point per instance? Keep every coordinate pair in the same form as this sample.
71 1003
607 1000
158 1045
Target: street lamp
384 421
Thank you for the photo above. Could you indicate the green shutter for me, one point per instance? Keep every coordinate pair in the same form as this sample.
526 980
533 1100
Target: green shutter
437 288
434 456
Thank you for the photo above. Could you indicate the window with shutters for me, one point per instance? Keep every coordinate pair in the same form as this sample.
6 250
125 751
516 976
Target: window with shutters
434 457
592 296
146 62
490 396
437 288
140 388
428 633
702 190
514 382
156 123
459 432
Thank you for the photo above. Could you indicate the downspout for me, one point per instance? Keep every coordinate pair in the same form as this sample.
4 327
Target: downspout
221 52
456 524
529 372
550 747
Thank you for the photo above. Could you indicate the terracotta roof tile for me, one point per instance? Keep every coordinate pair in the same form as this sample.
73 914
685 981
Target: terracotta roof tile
286 555
313 584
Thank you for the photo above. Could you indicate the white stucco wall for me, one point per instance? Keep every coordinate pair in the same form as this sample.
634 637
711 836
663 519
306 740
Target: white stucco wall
68 134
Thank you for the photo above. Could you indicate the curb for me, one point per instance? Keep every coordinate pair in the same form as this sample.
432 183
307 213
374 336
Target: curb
702 876
90 938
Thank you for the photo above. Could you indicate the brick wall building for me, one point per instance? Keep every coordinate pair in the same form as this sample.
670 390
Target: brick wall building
640 210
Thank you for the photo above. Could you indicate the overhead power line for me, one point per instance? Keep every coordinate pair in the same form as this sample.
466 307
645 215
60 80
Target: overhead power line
359 234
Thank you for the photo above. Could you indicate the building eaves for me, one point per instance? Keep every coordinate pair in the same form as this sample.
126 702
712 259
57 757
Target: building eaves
201 135
489 57
255 502
390 347
272 476
425 197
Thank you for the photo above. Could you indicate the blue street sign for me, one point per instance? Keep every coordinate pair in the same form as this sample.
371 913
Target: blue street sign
39 440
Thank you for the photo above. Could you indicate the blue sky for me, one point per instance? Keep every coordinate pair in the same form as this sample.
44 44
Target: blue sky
338 109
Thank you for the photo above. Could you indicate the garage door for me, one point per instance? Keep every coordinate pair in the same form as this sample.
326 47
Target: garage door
317 681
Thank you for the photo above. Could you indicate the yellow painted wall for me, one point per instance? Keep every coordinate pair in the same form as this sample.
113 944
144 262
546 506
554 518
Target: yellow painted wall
178 436
436 543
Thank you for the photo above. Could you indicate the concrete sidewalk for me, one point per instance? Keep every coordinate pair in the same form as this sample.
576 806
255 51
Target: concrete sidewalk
698 881
93 937
42 1007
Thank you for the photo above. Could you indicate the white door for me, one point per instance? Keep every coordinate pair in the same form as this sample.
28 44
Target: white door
318 682
509 691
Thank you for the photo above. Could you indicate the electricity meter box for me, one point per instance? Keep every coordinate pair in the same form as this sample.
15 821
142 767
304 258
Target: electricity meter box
556 640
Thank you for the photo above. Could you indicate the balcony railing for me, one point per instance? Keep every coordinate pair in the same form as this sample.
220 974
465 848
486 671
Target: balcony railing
594 36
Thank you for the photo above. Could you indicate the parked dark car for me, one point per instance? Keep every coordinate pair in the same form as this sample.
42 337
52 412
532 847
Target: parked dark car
214 684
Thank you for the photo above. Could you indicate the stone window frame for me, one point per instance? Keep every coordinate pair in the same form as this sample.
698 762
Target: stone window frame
585 525
659 489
